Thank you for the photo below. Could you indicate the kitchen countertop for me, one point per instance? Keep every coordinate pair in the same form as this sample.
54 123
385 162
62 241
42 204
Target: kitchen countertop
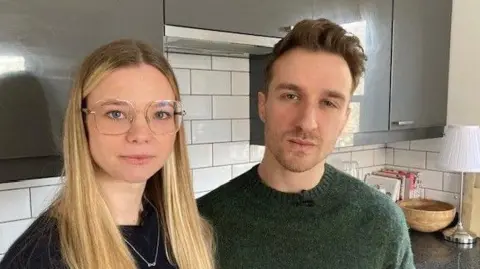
431 251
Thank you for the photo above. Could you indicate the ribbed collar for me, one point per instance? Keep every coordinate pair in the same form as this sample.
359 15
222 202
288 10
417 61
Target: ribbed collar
253 185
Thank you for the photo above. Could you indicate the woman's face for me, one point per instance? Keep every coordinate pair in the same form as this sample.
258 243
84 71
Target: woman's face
129 150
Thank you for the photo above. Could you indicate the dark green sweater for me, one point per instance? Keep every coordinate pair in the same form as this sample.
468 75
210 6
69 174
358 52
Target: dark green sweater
341 223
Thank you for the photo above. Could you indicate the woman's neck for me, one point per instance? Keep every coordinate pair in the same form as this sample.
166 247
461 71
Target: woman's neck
124 199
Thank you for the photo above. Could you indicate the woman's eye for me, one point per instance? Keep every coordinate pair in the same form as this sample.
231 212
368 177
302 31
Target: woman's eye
162 115
116 115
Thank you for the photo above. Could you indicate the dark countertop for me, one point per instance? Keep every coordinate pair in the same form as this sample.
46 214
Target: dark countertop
431 251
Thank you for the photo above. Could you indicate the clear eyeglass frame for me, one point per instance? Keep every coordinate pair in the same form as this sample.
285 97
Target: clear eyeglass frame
178 114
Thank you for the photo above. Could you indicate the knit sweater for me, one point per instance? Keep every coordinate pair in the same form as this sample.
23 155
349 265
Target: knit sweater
340 223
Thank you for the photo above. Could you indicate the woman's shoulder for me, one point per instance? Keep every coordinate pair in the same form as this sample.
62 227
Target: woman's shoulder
37 248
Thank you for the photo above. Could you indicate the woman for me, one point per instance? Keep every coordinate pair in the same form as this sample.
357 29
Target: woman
128 200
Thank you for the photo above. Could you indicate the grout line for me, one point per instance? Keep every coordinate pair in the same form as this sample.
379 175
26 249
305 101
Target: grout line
30 201
15 220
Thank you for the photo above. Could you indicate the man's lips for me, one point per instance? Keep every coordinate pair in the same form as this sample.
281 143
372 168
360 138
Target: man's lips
302 142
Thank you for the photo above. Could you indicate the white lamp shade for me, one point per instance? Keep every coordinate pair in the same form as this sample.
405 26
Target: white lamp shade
460 150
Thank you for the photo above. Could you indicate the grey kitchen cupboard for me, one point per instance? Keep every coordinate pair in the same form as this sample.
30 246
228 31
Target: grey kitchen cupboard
371 21
265 17
420 63
41 45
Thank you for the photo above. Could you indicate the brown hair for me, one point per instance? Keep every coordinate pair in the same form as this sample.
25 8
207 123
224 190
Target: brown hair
321 35
89 237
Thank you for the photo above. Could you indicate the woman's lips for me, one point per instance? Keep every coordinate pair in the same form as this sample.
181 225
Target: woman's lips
137 159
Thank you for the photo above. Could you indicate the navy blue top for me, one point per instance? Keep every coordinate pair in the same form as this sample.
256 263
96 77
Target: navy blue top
39 246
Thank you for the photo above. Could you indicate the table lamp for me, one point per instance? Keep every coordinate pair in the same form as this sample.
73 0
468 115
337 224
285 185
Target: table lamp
460 152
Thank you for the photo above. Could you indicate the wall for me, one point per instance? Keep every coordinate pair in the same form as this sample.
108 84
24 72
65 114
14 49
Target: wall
464 90
421 155
215 95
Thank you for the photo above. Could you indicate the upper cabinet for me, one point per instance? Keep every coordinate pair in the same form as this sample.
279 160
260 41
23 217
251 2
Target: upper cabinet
267 17
420 63
370 20
42 44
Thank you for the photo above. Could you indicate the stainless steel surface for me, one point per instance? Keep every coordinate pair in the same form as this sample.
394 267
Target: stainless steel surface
199 41
459 234
286 28
403 123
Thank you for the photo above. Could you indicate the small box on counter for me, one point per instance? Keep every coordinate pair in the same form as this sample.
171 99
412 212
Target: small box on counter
397 183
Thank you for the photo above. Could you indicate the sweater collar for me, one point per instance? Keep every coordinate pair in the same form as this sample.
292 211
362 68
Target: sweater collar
255 186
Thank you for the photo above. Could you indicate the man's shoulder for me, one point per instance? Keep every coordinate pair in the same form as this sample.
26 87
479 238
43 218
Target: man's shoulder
223 196
369 200
37 247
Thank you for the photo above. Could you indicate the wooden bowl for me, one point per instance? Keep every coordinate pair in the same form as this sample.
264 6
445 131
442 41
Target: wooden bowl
425 215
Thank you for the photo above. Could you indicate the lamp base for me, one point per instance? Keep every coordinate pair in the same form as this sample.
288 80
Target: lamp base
459 235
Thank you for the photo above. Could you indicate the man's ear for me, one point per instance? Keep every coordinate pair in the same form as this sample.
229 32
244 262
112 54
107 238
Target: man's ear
262 98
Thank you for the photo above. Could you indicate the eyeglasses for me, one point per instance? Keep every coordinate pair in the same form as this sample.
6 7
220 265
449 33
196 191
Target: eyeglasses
114 117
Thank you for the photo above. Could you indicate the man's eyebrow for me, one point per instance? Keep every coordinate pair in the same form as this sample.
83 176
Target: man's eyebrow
335 94
288 86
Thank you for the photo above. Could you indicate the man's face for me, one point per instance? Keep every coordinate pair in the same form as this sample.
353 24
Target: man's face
306 107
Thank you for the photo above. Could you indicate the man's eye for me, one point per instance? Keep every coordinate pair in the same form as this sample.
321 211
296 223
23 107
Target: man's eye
290 96
329 103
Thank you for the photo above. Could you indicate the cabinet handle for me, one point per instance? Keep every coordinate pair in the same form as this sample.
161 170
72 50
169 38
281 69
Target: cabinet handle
286 28
404 122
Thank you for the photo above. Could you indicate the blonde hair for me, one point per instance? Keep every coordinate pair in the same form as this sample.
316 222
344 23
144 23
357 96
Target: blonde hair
89 237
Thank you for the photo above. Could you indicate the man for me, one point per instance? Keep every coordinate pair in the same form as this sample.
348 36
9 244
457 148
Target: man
293 210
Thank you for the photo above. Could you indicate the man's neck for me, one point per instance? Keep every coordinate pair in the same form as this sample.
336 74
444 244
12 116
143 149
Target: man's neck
124 199
279 178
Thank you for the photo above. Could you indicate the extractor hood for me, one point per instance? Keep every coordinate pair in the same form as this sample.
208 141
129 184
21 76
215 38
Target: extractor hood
199 41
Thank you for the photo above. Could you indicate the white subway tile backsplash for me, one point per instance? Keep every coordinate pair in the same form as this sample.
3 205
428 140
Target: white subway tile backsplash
399 145
42 197
179 60
197 107
406 158
431 179
200 155
256 153
389 156
364 158
230 153
447 197
200 194
432 160
231 64
183 80
211 82
348 149
238 169
31 183
426 144
206 179
187 126
375 146
337 159
241 130
210 131
230 107
10 231
240 83
379 156
451 182
15 204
